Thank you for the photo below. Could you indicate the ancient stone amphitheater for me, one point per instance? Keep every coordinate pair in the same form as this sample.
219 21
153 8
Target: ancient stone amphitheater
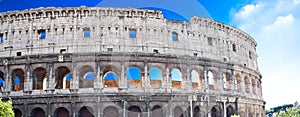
126 62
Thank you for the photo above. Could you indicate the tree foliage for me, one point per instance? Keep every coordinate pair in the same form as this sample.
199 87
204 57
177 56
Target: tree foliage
6 109
289 113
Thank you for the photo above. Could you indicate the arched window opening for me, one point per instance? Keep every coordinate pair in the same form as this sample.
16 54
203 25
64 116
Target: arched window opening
18 80
39 74
61 112
196 112
18 113
134 111
211 80
155 77
86 112
1 81
111 112
176 78
215 111
110 80
66 81
133 77
38 112
62 79
233 47
195 79
253 86
157 111
238 83
86 75
178 112
247 84
230 111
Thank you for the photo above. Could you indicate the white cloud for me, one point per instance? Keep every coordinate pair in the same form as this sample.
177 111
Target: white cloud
275 26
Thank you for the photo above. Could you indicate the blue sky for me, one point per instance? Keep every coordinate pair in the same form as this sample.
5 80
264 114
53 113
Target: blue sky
275 25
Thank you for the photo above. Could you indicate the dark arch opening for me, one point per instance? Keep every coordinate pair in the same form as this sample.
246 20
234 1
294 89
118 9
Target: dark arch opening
86 112
178 112
157 111
61 112
18 113
230 111
62 78
134 111
1 81
38 77
111 112
38 112
215 111
18 80
196 112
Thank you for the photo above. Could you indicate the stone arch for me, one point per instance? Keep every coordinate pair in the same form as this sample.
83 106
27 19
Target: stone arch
155 76
61 112
215 111
39 74
247 84
86 112
110 76
111 111
62 77
134 111
38 112
133 76
178 112
226 80
196 112
18 112
195 78
176 77
238 82
18 79
229 111
157 111
110 79
86 77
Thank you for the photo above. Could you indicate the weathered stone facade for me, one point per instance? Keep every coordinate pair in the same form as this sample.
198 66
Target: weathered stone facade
76 62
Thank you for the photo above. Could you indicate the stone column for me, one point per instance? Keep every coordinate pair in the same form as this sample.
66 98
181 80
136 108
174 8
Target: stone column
51 79
168 81
224 106
188 80
205 78
27 80
146 76
98 84
123 80
7 84
74 79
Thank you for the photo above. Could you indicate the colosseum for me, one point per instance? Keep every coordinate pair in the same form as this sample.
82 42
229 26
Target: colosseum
126 62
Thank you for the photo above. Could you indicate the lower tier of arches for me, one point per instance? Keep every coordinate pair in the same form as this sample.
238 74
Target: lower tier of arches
136 106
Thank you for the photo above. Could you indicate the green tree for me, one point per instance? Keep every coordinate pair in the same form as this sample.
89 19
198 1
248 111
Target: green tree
6 109
289 113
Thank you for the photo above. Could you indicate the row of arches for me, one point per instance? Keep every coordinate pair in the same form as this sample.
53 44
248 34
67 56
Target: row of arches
134 76
132 111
